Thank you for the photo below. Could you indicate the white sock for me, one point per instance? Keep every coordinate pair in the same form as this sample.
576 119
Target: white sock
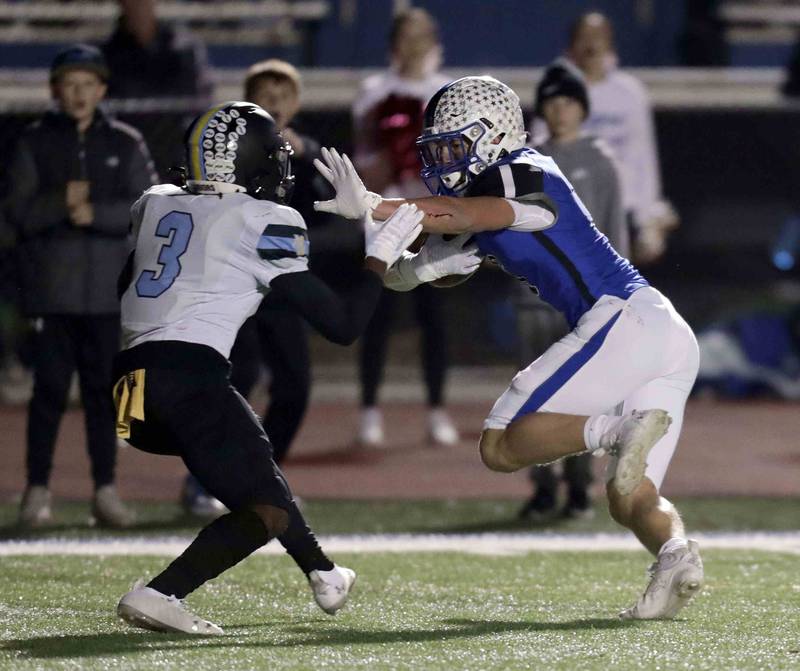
673 544
600 431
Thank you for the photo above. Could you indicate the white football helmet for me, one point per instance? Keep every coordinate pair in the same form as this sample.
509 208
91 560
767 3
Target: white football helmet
470 124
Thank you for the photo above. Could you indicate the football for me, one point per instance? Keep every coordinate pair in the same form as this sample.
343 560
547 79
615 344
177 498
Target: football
415 246
452 280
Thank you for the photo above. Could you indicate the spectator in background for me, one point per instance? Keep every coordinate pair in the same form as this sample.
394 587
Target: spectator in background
621 116
562 102
151 59
74 174
388 115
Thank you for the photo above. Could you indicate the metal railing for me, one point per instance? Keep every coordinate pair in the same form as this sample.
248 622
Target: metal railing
26 89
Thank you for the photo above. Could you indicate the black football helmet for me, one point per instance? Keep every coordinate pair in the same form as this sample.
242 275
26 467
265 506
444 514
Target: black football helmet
237 144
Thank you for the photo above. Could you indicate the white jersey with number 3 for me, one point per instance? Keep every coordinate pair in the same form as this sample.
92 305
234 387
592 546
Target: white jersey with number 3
204 262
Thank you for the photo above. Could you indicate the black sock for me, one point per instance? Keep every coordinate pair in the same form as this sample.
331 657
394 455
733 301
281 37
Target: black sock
301 544
218 547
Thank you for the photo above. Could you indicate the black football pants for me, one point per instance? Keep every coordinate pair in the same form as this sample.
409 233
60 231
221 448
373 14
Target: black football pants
198 416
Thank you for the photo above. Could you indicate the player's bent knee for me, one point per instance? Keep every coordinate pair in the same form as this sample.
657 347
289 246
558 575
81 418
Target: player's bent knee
275 519
494 452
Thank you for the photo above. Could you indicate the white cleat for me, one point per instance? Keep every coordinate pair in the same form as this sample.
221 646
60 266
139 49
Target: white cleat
332 588
675 578
441 428
637 436
370 429
146 608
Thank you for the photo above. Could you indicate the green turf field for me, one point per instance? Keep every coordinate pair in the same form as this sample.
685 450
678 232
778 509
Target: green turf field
410 611
541 610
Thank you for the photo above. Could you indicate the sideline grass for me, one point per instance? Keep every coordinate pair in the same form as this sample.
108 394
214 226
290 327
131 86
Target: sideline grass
410 611
465 516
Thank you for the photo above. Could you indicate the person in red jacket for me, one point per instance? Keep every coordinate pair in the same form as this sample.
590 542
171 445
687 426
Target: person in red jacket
388 115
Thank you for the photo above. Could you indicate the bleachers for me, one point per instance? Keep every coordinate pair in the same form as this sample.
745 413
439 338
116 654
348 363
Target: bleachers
31 32
760 32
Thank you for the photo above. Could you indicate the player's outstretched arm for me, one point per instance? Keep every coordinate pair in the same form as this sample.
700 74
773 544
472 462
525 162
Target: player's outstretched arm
337 319
342 320
453 216
443 214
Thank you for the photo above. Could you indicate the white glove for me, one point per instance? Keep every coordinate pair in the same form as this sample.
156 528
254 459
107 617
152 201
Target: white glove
438 258
387 240
352 200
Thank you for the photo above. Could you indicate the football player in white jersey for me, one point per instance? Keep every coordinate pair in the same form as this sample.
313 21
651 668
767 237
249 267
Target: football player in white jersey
206 253
628 345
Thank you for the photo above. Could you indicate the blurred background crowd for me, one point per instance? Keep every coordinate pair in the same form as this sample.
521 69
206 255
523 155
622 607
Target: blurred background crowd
674 120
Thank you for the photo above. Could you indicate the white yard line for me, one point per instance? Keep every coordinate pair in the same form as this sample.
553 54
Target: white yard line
482 544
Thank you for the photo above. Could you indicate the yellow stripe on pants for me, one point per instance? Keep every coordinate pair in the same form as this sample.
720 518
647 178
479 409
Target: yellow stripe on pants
129 401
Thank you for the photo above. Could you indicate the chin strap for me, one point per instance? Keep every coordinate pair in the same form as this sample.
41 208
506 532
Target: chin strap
209 187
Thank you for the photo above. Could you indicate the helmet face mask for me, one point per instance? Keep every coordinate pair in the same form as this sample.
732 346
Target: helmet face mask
448 158
237 146
275 185
470 125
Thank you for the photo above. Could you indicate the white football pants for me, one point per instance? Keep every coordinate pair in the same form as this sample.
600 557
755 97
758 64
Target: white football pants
638 353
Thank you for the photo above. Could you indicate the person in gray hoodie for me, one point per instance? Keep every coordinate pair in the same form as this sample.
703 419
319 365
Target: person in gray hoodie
74 174
563 103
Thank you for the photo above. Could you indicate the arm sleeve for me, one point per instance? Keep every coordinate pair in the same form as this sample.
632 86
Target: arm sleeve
530 216
31 210
522 186
112 216
339 320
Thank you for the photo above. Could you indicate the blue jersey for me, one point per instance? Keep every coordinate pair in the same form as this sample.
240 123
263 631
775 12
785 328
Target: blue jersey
569 264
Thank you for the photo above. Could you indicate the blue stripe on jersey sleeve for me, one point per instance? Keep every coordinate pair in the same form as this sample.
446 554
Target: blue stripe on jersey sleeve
276 242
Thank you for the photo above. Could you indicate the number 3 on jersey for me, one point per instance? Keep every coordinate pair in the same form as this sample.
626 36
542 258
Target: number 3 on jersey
152 283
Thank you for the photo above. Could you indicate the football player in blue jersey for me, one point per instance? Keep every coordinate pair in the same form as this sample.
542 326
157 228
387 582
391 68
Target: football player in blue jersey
628 345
